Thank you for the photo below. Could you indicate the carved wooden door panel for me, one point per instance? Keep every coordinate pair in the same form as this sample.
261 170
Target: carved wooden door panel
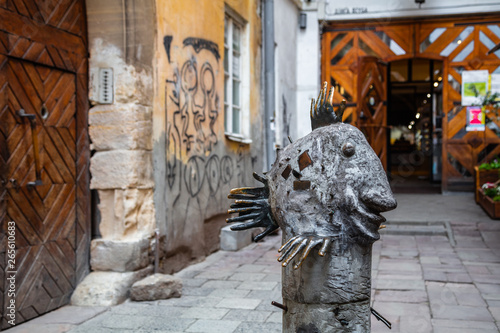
372 104
44 152
39 118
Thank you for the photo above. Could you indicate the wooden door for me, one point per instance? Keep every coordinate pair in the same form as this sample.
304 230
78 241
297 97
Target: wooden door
44 156
372 104
460 43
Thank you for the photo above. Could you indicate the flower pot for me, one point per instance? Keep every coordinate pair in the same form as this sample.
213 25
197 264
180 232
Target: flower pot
492 208
484 176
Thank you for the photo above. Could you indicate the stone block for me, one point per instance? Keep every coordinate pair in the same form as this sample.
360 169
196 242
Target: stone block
118 256
117 169
126 214
234 240
156 286
121 126
119 114
106 288
131 83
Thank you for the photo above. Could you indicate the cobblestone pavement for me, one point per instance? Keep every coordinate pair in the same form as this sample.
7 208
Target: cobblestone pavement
421 283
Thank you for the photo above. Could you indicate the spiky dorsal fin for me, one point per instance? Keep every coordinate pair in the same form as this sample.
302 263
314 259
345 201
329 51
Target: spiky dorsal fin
322 113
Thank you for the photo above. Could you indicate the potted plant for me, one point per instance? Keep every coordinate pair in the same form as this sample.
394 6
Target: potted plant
489 198
486 173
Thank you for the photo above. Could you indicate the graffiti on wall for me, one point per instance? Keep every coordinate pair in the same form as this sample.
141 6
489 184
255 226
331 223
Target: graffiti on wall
195 167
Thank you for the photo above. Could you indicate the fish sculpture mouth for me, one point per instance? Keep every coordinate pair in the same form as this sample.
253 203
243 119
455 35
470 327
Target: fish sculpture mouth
367 222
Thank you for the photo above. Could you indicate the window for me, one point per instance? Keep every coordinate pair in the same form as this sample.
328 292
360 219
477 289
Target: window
236 90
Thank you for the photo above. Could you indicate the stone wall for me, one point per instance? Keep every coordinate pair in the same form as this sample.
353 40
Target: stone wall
195 164
121 132
121 39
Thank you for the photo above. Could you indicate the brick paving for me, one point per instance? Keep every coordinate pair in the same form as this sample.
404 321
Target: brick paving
421 283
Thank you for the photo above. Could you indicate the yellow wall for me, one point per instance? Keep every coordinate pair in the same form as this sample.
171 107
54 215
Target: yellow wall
199 164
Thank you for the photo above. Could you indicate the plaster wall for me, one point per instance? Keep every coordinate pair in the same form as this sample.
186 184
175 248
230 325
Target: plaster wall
195 164
286 29
307 70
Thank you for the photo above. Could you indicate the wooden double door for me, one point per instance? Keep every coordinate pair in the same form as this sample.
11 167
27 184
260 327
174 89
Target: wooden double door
353 57
44 153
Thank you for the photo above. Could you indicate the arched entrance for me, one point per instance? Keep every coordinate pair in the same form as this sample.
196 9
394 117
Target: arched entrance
461 45
44 160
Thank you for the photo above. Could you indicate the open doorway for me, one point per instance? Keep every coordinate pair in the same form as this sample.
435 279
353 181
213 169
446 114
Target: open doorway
414 121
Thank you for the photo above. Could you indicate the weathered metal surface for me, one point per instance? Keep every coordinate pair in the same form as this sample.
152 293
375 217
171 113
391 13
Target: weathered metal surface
330 215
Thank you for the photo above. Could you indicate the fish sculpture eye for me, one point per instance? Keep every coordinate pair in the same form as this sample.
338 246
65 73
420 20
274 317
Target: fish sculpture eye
348 149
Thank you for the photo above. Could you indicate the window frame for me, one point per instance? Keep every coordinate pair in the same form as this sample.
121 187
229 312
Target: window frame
232 20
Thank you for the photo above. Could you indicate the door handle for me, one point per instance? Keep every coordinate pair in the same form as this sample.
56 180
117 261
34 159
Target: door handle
32 119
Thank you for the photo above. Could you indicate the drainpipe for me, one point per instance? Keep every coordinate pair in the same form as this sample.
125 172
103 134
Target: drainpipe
268 32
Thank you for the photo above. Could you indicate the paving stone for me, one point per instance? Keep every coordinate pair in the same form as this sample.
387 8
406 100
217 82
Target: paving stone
464 324
193 282
488 288
479 255
276 317
251 268
229 293
493 303
461 330
485 278
416 323
442 311
214 326
247 315
216 284
239 303
167 324
136 308
250 285
495 312
403 296
204 313
189 301
273 295
247 276
41 328
272 278
396 265
69 315
87 328
215 275
124 321
247 327
379 327
197 291
424 260
188 273
400 284
402 309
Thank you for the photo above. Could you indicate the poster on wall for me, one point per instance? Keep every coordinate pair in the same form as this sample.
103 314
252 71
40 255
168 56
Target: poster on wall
474 82
495 83
475 119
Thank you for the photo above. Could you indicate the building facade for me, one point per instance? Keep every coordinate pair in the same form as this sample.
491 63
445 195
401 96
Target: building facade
139 117
399 65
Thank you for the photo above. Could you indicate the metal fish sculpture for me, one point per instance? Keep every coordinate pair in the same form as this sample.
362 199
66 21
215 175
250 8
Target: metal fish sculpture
326 192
